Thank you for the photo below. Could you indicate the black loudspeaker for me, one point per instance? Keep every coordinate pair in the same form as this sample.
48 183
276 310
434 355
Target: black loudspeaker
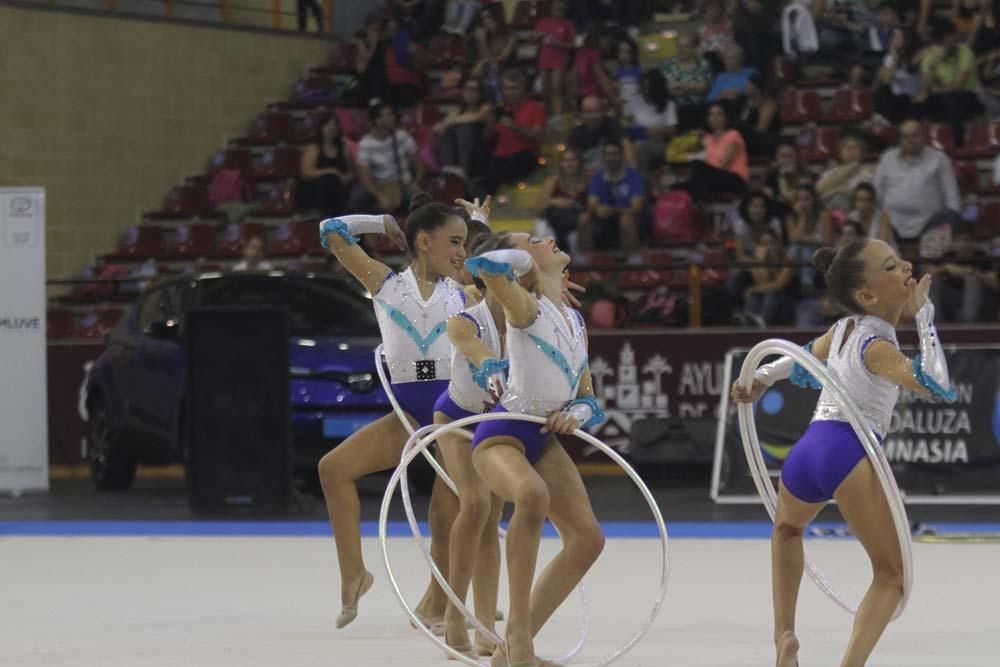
240 437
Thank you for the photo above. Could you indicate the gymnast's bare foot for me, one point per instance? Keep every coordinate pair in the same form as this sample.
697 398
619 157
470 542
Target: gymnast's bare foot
788 650
349 605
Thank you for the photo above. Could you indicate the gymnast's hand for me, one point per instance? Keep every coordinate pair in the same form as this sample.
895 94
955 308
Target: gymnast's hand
561 423
394 233
474 206
741 395
568 298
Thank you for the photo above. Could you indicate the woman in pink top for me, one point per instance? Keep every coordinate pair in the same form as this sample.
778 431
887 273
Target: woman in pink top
589 75
725 169
556 34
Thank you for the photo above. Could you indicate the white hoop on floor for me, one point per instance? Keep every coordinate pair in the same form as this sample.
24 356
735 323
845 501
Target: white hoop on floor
758 469
435 571
415 446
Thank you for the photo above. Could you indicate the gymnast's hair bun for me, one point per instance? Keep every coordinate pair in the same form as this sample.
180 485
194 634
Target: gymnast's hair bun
420 199
823 258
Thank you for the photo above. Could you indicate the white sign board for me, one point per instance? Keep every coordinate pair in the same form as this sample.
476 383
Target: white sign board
24 437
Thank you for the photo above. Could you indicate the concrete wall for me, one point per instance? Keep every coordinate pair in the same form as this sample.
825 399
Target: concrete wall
108 114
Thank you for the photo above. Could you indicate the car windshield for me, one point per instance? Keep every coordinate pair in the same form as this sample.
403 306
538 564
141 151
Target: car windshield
317 306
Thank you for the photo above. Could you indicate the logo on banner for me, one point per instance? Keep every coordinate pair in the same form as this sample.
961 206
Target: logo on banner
19 232
20 323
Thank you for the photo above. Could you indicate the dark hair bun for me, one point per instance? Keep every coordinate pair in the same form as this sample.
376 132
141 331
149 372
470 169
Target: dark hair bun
420 199
823 258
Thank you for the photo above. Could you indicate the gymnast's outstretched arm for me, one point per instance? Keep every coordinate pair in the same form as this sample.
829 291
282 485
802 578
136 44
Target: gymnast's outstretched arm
500 270
339 235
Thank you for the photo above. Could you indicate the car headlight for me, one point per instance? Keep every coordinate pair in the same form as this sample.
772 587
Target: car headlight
361 382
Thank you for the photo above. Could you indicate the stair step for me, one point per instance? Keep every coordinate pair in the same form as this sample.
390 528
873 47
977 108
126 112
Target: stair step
657 46
524 225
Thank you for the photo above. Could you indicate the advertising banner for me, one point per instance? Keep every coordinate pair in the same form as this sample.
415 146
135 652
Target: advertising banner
23 393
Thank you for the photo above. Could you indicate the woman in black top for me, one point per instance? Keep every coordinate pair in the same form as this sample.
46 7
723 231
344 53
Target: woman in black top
327 170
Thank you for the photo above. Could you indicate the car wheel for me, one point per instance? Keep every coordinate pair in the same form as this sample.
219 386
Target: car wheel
112 466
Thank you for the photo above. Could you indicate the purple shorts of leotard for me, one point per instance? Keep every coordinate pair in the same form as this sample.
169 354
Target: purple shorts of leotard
417 398
530 434
822 458
450 409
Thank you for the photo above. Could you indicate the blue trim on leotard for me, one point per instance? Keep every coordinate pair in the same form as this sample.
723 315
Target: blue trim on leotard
423 342
488 368
597 415
559 360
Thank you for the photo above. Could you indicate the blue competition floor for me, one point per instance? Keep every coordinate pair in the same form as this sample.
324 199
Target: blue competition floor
677 529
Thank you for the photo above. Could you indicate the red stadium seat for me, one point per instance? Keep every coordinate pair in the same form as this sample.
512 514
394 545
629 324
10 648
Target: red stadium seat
851 105
885 133
192 241
141 242
527 13
59 324
649 277
353 122
308 233
988 222
271 127
279 202
446 188
278 164
799 106
823 146
967 175
233 158
344 57
286 241
982 140
940 137
184 201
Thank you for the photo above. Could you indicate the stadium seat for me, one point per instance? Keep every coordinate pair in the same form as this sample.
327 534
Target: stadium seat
988 223
232 158
649 277
940 137
271 127
851 105
344 57
278 202
308 233
982 140
353 122
140 242
286 240
593 266
59 324
886 134
191 241
967 175
184 201
312 90
799 106
527 13
445 51
278 164
823 146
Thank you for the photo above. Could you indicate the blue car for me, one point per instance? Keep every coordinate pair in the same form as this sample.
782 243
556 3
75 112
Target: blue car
135 390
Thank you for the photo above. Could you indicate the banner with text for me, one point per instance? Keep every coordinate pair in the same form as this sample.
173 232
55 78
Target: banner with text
936 448
23 394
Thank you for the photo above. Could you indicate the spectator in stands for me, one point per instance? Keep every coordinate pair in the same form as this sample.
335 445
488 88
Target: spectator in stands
755 214
985 41
843 27
951 82
597 129
769 297
725 169
754 24
784 177
615 200
327 170
730 86
304 8
492 49
556 34
964 14
389 167
517 129
370 63
873 221
965 289
898 82
849 233
809 227
628 73
653 116
715 36
688 76
759 121
563 200
253 256
589 78
836 185
402 53
882 33
459 16
913 182
460 135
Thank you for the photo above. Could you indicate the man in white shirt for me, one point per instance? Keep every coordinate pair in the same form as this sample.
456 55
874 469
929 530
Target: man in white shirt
913 182
389 167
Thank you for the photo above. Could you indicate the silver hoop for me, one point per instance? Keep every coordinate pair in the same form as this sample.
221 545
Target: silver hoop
758 469
408 505
414 449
